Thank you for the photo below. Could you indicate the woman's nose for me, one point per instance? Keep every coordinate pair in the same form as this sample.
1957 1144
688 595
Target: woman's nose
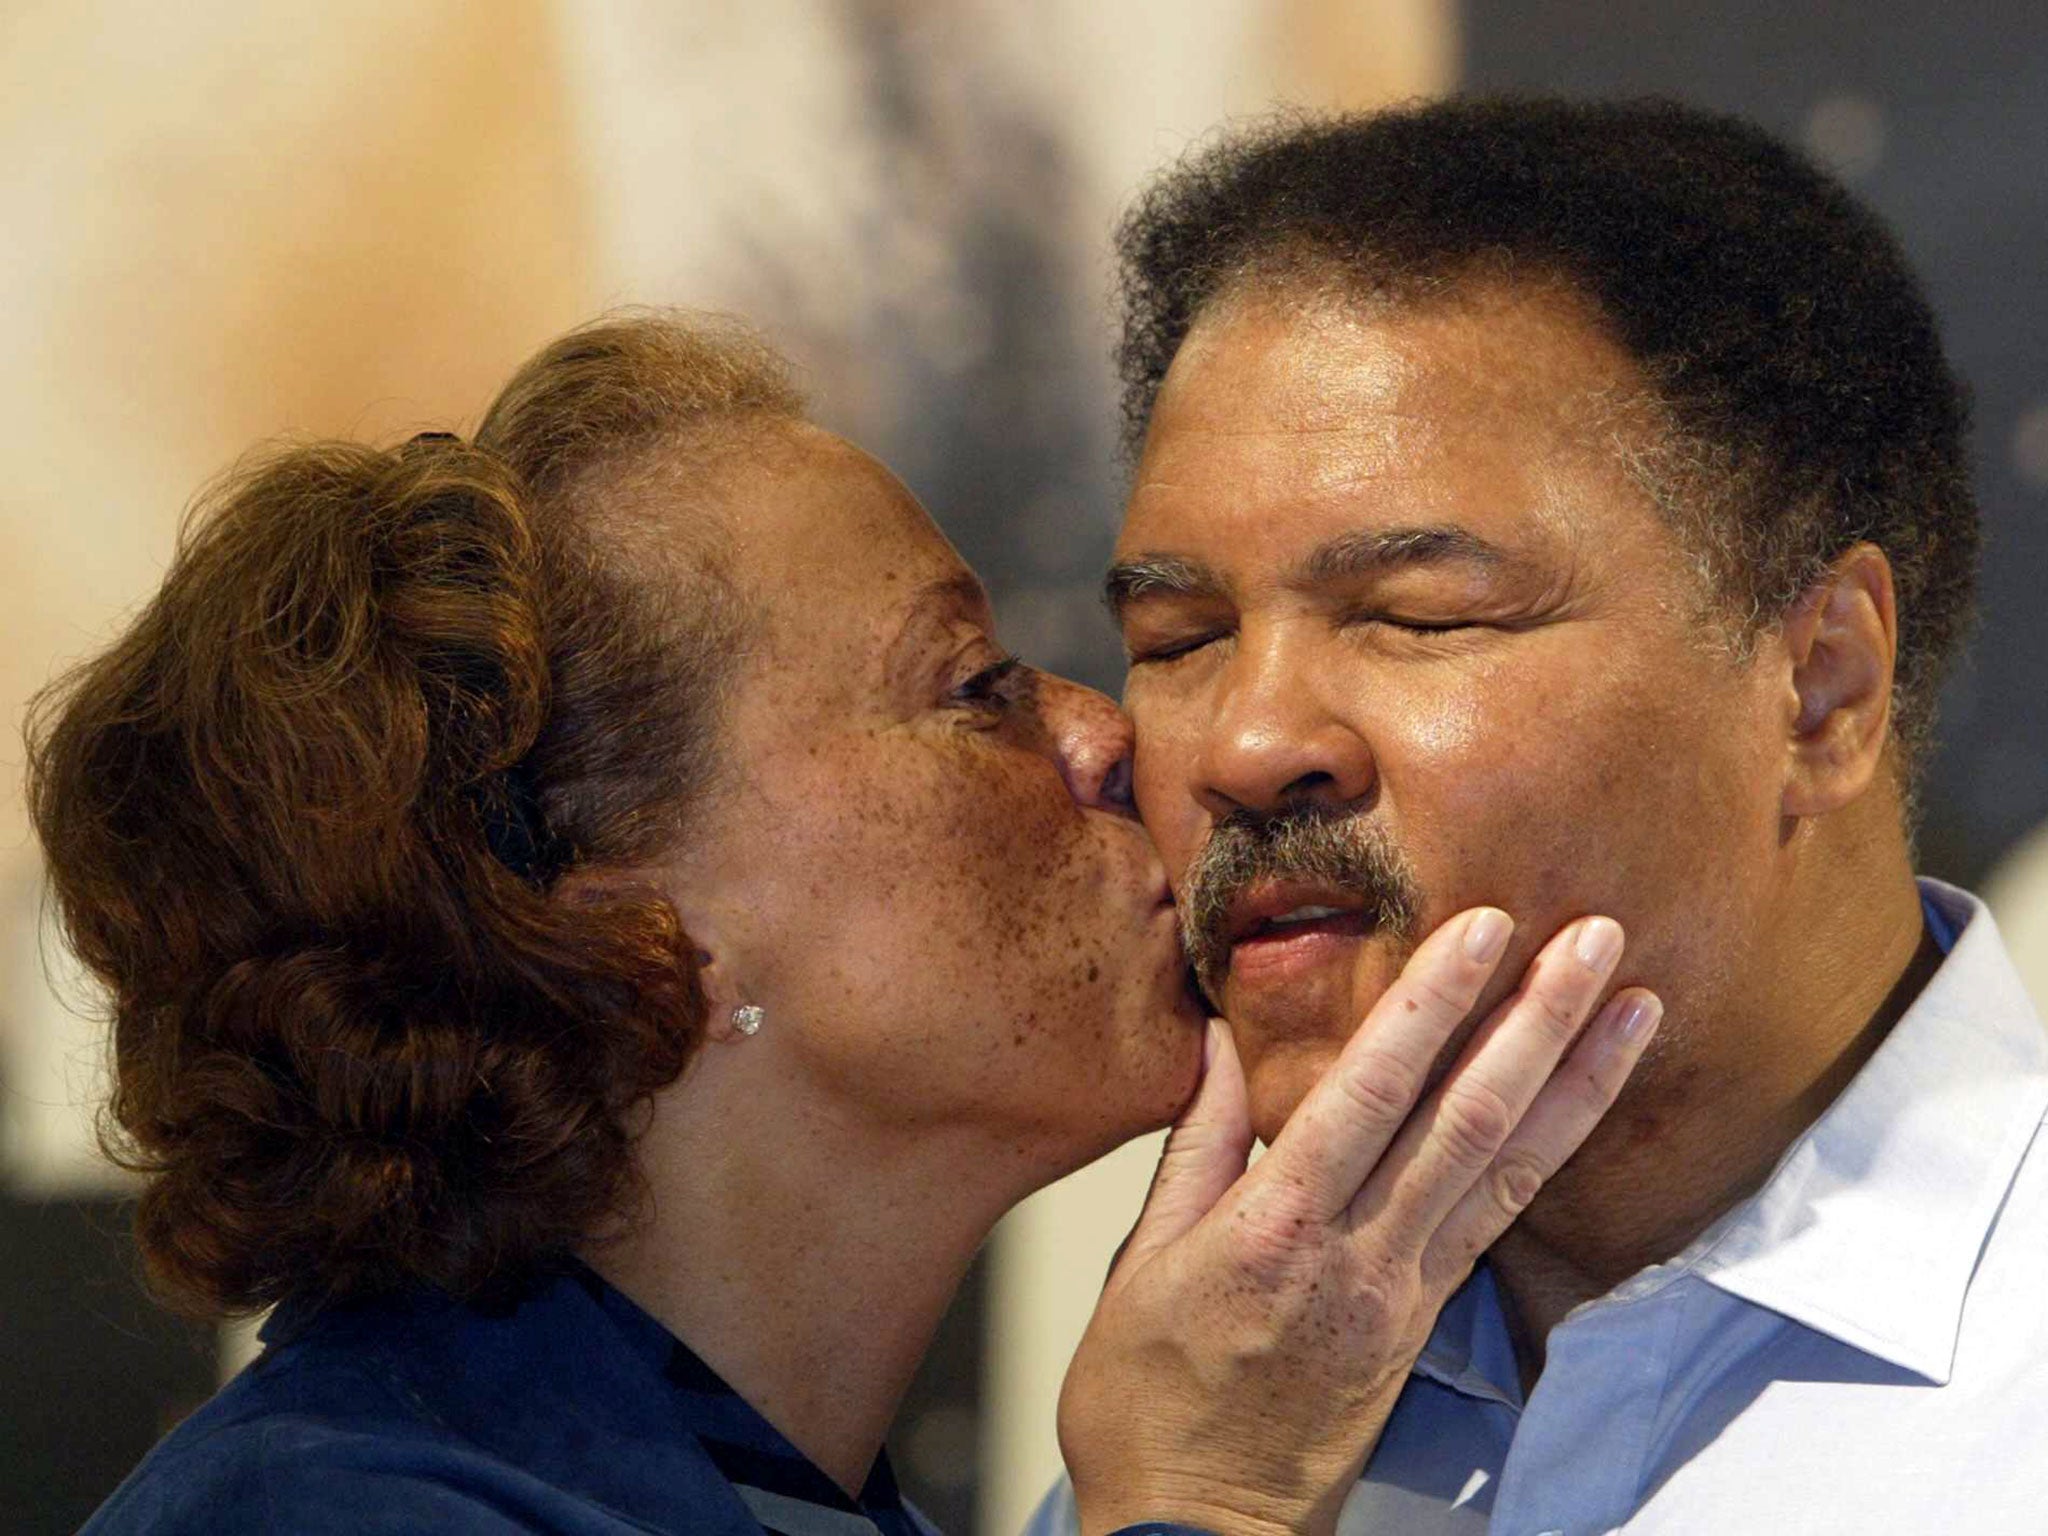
1092 742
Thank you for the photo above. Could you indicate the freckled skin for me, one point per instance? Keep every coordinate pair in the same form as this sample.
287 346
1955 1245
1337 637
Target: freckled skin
943 937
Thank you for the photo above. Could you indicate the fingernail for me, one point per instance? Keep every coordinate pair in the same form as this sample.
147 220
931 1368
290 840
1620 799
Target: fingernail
1598 945
1486 935
1641 1016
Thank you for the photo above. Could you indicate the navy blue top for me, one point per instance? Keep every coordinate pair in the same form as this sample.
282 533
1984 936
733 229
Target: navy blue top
575 1413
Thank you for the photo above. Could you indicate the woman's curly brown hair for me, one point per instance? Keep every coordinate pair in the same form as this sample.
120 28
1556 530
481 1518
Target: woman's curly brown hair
357 1044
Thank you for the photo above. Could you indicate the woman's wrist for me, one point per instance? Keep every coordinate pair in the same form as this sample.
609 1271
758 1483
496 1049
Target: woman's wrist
1205 1511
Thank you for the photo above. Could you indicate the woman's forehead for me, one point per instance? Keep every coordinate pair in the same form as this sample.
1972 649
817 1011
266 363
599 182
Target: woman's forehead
838 548
818 501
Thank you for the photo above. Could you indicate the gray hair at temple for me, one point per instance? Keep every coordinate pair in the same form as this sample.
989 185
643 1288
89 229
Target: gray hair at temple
1798 398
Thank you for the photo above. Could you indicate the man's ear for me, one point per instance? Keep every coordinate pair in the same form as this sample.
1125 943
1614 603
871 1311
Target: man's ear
1840 641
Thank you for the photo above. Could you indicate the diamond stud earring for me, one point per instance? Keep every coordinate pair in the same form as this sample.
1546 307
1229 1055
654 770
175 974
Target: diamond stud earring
747 1018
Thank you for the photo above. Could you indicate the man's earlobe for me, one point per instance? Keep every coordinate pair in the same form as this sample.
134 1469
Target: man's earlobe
1841 639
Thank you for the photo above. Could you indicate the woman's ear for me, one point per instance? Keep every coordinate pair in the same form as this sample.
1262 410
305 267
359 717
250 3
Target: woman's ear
722 1000
1840 639
715 980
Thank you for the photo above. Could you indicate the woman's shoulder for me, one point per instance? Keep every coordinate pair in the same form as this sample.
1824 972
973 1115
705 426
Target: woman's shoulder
411 1417
284 1473
320 1451
311 1439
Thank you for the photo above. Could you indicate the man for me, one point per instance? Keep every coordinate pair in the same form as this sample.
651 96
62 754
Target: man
1565 507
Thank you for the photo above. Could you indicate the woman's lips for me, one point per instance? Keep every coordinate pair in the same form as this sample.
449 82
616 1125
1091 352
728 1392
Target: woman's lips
1272 956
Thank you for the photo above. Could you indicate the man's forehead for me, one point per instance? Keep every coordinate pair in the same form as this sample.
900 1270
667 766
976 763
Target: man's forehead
1314 367
1330 365
1403 415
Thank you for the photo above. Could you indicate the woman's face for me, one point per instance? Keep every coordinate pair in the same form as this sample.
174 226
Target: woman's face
925 868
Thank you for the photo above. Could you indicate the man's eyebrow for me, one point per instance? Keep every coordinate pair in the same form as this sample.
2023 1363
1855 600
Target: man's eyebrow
1149 575
1345 557
1369 552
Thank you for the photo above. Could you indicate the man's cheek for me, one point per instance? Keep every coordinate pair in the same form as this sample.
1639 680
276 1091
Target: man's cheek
1516 838
1172 819
1159 776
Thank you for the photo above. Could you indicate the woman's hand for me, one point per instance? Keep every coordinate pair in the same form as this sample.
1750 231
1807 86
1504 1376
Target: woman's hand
1258 1326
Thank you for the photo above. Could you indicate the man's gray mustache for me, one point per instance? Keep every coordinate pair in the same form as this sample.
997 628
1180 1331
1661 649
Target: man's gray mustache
1342 849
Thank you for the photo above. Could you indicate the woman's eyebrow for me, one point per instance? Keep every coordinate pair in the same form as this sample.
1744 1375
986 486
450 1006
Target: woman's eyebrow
958 596
929 609
959 592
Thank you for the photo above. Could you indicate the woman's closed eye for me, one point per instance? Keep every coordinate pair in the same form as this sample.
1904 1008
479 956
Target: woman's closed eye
995 689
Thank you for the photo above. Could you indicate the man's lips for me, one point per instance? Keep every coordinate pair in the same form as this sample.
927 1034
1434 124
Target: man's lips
1278 910
1280 932
1283 956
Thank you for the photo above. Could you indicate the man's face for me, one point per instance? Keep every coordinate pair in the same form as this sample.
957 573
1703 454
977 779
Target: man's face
1384 577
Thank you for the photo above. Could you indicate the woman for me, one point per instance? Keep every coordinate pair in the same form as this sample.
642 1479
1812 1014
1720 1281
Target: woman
598 932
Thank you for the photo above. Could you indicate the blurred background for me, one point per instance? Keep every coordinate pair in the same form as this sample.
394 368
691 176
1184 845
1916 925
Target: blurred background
232 218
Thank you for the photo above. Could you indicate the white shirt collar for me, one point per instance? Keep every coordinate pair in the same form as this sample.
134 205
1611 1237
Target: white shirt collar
1870 1227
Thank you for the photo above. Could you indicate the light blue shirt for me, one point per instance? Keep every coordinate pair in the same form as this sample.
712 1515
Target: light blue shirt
1862 1346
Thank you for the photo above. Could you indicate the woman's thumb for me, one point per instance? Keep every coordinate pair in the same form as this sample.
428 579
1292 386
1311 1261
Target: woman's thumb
1205 1154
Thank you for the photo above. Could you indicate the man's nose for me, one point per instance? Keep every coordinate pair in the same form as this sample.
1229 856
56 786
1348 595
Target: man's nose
1092 743
1274 742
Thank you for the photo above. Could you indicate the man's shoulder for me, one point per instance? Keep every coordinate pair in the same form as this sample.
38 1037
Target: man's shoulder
1055 1515
2004 1330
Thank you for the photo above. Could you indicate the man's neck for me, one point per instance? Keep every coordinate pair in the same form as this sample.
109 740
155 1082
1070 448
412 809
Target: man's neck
807 1267
1674 1156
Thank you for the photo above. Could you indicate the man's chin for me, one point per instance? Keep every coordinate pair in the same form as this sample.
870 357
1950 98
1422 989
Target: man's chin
1309 1003
1281 1079
1321 995
1288 1035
